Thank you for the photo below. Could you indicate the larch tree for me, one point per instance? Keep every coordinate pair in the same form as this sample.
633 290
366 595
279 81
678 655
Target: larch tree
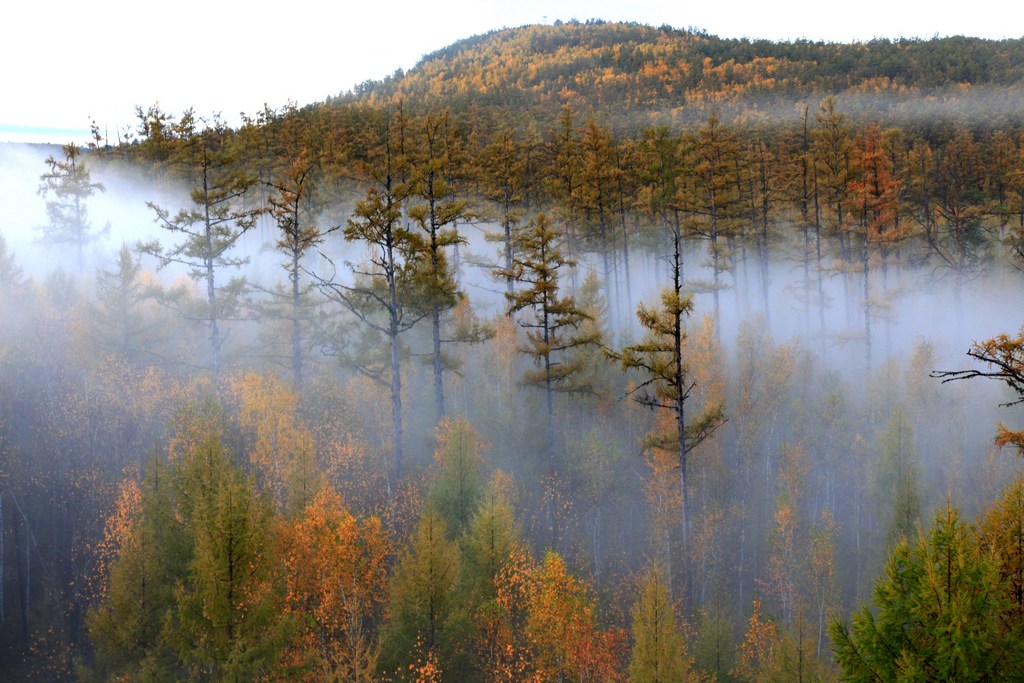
1003 356
208 231
387 291
711 198
833 148
436 210
594 202
875 193
956 235
896 479
122 321
290 206
554 326
666 383
226 624
659 650
937 613
426 618
503 180
66 186
459 458
1001 530
126 626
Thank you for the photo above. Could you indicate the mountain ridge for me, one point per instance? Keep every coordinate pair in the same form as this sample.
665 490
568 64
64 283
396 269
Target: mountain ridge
626 69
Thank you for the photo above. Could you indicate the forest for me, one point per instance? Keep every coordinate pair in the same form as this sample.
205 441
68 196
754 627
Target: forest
423 383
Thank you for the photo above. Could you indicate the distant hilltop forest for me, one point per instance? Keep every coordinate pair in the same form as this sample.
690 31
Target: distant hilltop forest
668 75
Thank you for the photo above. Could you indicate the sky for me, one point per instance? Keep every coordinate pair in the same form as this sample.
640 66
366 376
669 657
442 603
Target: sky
66 63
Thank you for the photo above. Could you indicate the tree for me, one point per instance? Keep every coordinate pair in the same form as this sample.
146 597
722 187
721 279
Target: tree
659 651
896 478
336 581
208 230
122 321
277 439
667 384
226 624
875 194
387 294
1004 356
594 201
956 233
503 170
832 147
425 612
67 185
553 328
192 590
437 217
937 613
711 199
1001 531
126 627
562 626
289 206
457 489
758 655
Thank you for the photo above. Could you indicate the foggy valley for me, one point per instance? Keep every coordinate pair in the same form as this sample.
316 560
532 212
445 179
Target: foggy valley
394 389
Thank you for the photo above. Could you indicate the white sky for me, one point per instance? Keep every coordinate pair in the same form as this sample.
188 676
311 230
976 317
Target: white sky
65 62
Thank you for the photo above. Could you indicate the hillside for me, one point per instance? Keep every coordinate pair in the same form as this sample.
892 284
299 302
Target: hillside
668 74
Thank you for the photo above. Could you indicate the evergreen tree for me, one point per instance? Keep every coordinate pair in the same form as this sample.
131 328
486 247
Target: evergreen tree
937 614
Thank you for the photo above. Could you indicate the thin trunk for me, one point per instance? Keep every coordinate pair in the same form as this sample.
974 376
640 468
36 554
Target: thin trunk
438 362
3 613
865 258
296 321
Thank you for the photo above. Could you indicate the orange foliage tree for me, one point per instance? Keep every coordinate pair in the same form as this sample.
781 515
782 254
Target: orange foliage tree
336 579
562 627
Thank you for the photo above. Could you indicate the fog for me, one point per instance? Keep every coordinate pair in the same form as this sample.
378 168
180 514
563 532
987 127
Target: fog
793 376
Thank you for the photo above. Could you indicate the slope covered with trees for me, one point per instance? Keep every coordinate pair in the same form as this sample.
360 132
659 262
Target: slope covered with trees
642 74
